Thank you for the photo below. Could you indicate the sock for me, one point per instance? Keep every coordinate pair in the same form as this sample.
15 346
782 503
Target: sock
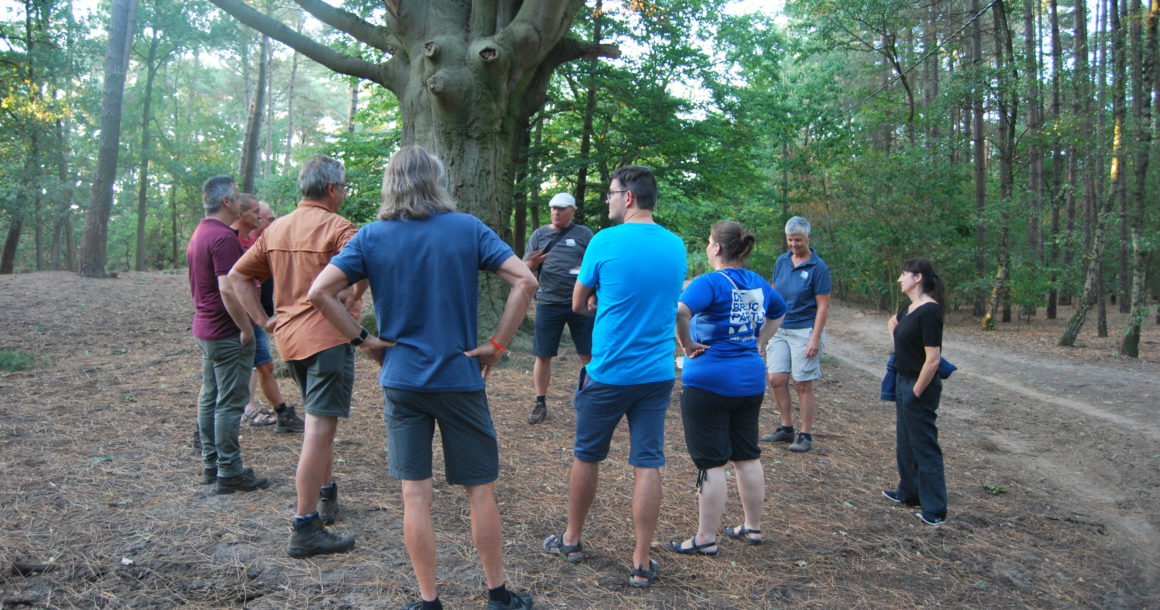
806 435
305 517
280 408
541 400
500 594
434 604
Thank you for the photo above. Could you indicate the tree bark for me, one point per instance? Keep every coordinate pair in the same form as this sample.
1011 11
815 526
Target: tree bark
589 112
257 107
95 236
1006 105
143 169
1056 159
980 167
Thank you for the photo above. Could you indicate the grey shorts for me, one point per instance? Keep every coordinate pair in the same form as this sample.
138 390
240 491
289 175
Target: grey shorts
325 380
470 447
786 353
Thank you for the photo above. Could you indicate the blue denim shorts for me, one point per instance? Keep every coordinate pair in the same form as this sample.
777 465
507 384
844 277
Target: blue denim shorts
599 408
261 347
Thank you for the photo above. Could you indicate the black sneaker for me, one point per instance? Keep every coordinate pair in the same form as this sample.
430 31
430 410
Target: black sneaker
783 434
289 422
539 413
896 497
208 476
804 443
246 481
328 504
517 601
310 538
930 519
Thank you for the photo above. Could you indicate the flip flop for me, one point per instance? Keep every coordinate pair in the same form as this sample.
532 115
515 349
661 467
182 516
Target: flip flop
260 417
742 533
697 549
572 553
650 575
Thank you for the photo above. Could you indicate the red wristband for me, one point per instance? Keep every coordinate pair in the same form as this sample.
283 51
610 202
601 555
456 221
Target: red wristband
496 345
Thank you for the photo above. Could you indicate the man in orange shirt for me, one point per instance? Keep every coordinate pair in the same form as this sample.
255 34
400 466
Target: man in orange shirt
321 360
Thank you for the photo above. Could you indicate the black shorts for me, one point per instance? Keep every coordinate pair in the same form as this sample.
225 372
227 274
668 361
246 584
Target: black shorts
720 429
550 320
470 446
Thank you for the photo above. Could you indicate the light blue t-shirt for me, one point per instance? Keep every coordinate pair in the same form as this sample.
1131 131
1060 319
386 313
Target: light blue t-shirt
800 286
424 277
637 270
729 308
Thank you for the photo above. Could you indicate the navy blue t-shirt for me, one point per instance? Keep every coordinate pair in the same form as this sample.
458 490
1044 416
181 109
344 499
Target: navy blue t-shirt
729 308
424 277
800 286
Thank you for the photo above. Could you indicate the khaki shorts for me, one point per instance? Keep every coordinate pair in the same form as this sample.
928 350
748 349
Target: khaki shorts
786 353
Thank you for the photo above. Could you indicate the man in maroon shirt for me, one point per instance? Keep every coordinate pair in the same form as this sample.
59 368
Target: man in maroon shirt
225 336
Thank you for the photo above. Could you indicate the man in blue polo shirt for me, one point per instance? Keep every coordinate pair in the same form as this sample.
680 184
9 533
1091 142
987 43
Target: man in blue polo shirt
631 276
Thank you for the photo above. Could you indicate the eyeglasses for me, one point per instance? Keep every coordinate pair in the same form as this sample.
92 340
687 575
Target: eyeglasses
346 186
610 193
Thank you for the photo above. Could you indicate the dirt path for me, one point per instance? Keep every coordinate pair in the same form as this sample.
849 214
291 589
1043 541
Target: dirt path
1088 429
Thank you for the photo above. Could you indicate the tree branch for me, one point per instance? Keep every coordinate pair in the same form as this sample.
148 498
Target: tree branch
339 62
568 49
378 37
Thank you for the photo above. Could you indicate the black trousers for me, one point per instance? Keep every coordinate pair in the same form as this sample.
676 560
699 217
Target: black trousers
920 462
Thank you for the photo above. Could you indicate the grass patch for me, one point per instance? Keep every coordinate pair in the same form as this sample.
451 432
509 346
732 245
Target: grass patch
20 360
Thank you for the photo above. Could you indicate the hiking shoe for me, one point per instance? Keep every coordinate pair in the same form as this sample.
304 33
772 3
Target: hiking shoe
517 601
896 497
310 538
930 519
289 422
783 434
246 481
803 443
328 504
209 476
539 413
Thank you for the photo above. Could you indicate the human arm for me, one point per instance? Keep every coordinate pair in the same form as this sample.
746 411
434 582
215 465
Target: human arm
684 336
583 298
523 286
820 317
767 330
324 296
929 368
352 295
235 309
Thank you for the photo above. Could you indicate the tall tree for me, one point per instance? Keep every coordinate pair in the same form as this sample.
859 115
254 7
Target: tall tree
256 109
94 239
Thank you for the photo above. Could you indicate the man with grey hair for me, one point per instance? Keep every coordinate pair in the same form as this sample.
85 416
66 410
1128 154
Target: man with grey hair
556 250
320 358
225 338
423 261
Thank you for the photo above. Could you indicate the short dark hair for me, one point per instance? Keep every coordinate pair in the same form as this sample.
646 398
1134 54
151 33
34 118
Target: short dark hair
215 190
638 179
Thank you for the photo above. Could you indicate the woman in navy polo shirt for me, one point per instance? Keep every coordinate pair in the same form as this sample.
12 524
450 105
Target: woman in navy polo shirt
801 277
730 311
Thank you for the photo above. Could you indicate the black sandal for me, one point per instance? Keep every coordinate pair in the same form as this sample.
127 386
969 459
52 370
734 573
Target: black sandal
572 553
650 575
742 533
697 549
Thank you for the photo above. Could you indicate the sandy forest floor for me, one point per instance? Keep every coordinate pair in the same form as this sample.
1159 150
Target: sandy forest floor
103 508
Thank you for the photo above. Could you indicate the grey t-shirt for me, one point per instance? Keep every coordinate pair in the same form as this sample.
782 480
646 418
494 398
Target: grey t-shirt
558 272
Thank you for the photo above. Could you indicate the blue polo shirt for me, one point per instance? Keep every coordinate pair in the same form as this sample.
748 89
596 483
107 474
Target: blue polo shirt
800 286
638 270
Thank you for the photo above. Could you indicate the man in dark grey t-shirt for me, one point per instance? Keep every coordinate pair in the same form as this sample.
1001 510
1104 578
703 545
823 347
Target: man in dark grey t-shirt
556 250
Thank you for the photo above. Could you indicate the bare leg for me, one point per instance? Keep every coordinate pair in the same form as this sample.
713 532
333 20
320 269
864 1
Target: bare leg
419 534
265 375
646 505
316 464
252 405
581 492
711 503
542 374
584 359
806 402
486 531
779 383
751 488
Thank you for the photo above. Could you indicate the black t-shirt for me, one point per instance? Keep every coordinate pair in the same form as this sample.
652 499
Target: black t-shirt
915 332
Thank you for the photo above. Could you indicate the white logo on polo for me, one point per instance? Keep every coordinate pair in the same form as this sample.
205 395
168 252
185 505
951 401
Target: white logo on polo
571 243
805 275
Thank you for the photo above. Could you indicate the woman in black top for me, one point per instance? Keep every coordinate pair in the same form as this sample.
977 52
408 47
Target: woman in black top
917 333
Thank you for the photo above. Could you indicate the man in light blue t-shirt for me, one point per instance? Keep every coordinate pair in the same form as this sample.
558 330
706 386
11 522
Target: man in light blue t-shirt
631 277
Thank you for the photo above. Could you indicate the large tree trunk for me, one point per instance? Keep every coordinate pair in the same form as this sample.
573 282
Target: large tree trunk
1006 104
253 135
980 166
589 112
1143 77
95 236
1056 158
143 169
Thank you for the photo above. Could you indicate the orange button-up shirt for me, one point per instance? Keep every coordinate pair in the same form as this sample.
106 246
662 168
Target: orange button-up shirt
293 251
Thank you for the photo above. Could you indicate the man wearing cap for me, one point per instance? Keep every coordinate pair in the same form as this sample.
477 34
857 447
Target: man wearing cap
555 251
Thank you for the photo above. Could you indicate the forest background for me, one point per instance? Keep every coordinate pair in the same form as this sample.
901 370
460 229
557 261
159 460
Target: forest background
1010 142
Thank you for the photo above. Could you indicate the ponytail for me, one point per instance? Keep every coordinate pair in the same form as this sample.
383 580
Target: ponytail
932 283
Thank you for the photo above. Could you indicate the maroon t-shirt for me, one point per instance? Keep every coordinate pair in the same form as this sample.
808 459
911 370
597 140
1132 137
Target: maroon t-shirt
213 250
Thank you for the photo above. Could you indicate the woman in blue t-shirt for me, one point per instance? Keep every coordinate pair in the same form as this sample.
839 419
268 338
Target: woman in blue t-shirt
722 318
917 332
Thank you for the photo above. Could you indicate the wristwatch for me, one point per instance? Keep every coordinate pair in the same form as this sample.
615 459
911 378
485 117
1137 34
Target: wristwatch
357 341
